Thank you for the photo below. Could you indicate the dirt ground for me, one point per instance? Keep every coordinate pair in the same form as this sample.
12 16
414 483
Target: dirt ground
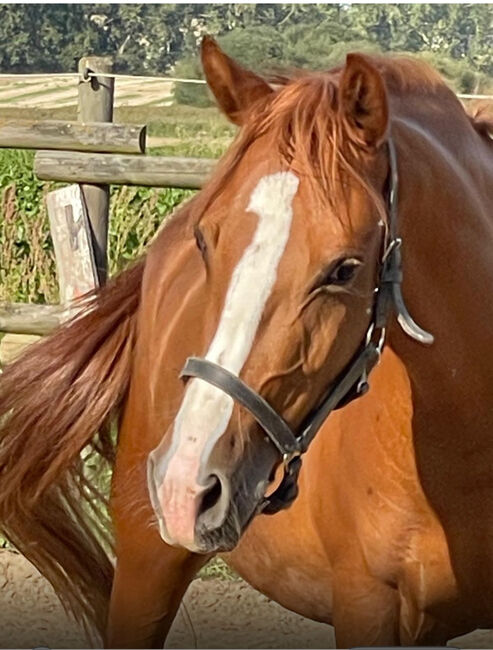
217 614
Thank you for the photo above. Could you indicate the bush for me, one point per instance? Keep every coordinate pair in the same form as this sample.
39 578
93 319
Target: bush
27 268
457 72
315 48
191 94
260 48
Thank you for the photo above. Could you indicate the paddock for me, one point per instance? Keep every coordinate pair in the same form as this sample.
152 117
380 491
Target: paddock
216 613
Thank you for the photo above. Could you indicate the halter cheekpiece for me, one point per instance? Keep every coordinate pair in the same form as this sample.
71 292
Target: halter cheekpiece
352 381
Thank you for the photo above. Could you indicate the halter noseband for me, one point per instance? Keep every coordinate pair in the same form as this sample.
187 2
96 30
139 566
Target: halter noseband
351 383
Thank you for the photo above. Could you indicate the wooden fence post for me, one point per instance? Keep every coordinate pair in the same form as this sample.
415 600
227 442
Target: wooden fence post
96 105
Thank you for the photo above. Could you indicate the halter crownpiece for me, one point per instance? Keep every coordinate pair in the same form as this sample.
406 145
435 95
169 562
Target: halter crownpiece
351 383
404 318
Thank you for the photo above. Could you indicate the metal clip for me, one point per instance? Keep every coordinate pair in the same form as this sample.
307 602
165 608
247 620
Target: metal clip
381 342
406 321
288 458
369 334
395 244
363 386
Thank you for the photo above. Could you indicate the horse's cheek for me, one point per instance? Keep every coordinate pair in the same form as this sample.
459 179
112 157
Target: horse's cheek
321 329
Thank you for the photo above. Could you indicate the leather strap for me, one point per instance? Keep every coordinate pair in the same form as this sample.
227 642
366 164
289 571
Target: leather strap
279 432
273 424
361 366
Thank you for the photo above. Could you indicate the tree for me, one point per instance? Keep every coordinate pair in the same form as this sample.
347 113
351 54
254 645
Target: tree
152 38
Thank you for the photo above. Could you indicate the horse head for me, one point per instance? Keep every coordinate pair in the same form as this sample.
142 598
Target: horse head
291 233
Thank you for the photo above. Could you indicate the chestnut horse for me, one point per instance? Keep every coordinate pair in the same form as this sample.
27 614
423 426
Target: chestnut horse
280 283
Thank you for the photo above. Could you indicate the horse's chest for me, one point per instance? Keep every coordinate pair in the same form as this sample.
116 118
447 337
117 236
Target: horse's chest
286 562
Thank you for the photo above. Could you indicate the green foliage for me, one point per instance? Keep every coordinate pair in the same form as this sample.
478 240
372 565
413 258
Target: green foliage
460 76
143 38
310 50
152 38
136 213
25 241
458 38
188 93
258 47
27 268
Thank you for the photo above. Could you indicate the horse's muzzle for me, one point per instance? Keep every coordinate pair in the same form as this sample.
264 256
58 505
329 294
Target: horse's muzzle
200 517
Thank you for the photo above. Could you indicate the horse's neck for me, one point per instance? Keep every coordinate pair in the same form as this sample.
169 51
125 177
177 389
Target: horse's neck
446 222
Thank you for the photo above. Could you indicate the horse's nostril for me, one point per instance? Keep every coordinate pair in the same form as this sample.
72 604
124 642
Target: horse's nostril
215 503
212 496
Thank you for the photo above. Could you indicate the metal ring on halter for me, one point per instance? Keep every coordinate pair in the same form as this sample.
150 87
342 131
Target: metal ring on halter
369 333
381 342
289 457
394 244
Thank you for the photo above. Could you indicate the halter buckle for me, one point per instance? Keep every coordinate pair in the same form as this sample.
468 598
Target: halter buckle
394 244
369 333
381 340
288 458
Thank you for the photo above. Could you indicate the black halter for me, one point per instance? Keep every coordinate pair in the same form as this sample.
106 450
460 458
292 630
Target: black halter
351 383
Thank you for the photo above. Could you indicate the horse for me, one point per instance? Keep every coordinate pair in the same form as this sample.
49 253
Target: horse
236 357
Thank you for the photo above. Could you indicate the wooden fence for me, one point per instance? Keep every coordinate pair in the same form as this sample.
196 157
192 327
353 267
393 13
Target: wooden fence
93 153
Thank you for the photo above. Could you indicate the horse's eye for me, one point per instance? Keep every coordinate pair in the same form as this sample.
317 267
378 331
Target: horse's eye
338 274
344 272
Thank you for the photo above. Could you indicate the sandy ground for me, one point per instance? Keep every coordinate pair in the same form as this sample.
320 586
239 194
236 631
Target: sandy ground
216 614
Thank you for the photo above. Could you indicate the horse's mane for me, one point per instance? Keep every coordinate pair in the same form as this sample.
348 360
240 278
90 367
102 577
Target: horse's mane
302 118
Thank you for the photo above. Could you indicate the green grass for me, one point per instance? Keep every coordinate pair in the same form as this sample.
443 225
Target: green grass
196 149
217 569
171 121
36 93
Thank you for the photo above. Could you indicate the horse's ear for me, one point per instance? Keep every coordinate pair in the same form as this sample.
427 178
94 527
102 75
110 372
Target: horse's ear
363 101
234 87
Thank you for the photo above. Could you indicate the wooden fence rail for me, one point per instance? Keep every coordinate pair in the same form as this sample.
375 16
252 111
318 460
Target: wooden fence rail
22 318
153 171
76 136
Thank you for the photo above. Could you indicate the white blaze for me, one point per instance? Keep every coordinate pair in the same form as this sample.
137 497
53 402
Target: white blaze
205 410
